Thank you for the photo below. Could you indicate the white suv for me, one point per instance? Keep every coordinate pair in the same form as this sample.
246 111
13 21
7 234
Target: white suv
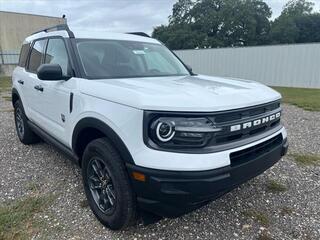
149 134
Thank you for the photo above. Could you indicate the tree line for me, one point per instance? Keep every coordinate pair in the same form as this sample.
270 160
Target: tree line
230 23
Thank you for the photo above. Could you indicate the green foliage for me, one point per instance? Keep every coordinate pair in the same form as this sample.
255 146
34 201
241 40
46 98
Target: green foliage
306 160
264 236
5 83
286 210
296 24
306 98
17 219
178 36
259 216
275 187
216 23
7 98
309 28
227 23
181 12
284 30
297 8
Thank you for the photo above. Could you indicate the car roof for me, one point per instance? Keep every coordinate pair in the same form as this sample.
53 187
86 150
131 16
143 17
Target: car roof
92 35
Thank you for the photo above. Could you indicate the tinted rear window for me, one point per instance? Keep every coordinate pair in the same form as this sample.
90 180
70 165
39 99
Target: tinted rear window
23 55
36 55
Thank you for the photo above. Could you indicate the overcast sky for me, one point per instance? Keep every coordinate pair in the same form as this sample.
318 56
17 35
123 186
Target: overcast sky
110 15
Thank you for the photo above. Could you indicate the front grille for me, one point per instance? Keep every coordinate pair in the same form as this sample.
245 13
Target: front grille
239 117
253 152
247 112
224 136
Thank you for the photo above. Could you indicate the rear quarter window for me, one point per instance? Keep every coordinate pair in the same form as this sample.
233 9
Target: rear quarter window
24 55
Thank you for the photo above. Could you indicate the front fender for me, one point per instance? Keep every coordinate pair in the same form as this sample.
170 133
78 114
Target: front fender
97 124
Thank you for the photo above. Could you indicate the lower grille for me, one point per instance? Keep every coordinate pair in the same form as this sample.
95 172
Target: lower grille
247 154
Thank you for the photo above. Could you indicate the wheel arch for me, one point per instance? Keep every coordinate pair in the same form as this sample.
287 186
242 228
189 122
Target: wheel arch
15 96
88 129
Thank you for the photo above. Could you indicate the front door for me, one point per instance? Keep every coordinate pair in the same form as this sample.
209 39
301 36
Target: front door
55 102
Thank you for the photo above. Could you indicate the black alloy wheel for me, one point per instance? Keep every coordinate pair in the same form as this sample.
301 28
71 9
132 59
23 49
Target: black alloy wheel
101 185
24 132
107 185
19 123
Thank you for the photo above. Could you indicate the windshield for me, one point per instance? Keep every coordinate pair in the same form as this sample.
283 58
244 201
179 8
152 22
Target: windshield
125 59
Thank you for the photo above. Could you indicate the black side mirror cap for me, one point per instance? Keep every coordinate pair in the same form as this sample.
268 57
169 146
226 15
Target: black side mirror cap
50 72
189 68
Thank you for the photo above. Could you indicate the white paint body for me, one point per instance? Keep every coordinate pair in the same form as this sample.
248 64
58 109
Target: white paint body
120 104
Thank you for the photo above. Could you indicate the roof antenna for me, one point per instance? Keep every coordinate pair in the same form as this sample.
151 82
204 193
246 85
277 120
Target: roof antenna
63 16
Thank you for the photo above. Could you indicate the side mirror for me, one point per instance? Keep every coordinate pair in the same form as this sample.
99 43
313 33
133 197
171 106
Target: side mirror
50 72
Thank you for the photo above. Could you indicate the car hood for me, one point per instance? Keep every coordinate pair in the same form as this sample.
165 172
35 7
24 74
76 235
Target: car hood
197 93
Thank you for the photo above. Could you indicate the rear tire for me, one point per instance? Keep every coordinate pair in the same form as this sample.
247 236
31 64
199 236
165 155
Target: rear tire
107 186
24 132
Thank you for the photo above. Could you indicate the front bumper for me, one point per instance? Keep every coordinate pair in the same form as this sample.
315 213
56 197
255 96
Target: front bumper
173 193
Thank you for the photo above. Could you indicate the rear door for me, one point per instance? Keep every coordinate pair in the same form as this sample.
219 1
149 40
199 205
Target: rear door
33 95
19 75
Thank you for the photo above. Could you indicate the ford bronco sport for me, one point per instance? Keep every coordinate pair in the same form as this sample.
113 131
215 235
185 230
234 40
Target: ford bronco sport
149 135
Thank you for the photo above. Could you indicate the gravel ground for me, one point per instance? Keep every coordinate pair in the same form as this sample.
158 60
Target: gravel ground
251 211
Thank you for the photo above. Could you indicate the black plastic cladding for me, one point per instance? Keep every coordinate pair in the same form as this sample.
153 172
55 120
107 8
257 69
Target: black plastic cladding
222 118
247 154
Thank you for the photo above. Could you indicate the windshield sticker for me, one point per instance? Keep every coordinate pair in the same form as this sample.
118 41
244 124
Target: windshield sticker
139 52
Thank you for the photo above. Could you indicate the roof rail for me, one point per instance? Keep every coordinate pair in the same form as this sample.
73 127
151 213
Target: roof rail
57 28
140 34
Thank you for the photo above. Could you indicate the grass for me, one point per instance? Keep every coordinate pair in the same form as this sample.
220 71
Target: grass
5 83
286 211
275 187
84 204
7 110
33 186
305 98
258 216
17 219
264 236
307 159
7 98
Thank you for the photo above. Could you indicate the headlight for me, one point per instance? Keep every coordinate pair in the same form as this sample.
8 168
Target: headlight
180 132
165 130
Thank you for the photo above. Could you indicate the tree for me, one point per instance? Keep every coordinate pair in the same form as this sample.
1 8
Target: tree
181 12
296 24
216 23
284 30
247 24
309 28
297 8
225 23
178 36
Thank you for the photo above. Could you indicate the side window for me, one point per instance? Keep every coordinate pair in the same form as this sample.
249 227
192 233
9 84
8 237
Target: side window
23 55
36 55
57 54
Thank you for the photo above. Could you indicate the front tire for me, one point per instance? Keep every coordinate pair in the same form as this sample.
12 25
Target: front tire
107 186
24 132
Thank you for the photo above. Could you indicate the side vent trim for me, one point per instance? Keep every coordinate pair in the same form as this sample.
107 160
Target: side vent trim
71 102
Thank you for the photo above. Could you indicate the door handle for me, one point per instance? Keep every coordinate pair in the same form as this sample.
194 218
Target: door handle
39 88
21 82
